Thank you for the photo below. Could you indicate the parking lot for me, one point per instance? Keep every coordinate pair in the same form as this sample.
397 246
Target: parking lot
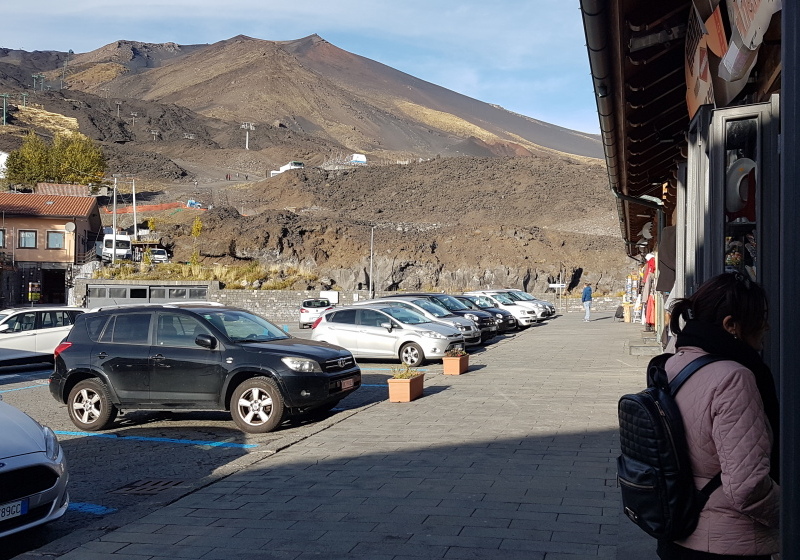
149 459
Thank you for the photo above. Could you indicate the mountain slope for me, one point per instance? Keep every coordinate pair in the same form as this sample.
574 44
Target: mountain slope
312 86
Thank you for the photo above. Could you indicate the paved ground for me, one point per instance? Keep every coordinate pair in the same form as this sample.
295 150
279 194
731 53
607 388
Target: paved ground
514 459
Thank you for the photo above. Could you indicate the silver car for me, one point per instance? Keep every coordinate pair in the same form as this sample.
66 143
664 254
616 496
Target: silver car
387 331
33 473
425 307
31 334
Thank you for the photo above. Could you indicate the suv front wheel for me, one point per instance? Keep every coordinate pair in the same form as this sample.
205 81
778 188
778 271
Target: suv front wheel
257 405
90 406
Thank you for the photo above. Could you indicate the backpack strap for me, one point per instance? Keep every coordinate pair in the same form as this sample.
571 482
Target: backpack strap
676 384
712 485
690 368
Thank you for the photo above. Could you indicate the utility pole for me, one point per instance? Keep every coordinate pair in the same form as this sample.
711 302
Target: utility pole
119 103
39 77
154 133
64 72
114 225
24 97
134 115
135 226
5 97
247 126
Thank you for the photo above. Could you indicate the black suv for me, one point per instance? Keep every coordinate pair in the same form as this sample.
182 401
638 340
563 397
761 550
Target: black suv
195 356
485 321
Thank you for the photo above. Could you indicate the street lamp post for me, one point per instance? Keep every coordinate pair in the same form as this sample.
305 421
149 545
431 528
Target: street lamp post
371 253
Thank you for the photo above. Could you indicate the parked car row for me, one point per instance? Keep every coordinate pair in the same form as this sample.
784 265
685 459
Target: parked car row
418 327
206 356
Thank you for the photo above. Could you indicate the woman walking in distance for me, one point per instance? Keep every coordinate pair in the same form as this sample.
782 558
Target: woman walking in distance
730 412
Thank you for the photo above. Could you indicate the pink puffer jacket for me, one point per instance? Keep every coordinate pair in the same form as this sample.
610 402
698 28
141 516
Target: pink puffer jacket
727 431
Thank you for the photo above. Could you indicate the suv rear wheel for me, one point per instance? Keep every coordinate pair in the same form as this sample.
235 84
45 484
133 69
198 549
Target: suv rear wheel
90 406
257 405
412 355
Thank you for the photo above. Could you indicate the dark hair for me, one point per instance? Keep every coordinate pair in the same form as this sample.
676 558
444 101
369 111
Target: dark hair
731 294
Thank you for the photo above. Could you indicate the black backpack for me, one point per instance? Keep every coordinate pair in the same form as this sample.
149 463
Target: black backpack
653 471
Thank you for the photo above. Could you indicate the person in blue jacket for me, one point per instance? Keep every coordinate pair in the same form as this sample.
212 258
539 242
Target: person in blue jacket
586 298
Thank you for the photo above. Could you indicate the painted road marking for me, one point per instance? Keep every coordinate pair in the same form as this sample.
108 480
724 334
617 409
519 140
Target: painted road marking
23 388
160 440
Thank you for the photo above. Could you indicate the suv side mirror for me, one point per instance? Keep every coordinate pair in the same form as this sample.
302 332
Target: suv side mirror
206 341
387 325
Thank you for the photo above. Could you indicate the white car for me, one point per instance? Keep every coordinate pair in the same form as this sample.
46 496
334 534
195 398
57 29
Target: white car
33 473
387 331
31 334
159 256
311 310
541 309
525 317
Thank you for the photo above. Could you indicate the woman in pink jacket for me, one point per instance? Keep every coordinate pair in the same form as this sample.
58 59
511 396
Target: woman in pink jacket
730 412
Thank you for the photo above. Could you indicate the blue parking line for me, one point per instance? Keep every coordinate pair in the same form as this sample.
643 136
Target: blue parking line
160 440
387 369
94 509
23 388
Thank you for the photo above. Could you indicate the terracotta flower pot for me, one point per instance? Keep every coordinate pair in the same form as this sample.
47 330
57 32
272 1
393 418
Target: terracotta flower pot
406 390
455 365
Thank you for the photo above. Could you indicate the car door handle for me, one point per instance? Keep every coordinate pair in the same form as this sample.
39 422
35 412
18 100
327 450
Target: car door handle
158 358
102 355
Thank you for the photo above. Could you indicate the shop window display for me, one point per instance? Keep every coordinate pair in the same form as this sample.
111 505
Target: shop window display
741 191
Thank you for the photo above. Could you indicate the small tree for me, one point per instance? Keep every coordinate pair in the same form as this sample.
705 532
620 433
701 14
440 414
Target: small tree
72 158
31 163
197 229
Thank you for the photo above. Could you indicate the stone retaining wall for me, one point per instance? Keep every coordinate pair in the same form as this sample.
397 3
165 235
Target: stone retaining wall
281 306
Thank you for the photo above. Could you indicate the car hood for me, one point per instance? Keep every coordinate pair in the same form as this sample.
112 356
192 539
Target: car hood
464 312
494 310
21 433
314 349
446 330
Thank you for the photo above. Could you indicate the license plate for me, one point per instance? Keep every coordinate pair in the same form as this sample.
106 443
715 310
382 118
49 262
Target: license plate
348 383
13 509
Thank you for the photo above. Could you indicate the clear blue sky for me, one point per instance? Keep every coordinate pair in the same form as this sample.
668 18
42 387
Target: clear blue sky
527 56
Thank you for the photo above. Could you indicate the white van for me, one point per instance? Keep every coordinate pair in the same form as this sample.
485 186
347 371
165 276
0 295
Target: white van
123 249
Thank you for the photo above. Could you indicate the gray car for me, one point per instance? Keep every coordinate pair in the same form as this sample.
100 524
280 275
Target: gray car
33 473
387 331
427 308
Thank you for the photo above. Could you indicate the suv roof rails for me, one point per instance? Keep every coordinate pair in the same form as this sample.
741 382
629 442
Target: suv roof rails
173 304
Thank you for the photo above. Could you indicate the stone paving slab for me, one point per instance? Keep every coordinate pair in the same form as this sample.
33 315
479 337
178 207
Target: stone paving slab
514 459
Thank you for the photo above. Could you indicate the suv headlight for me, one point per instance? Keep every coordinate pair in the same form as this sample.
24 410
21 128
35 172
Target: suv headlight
51 445
472 317
432 334
499 316
301 364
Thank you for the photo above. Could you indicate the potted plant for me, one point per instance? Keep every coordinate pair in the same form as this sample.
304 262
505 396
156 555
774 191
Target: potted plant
405 385
455 361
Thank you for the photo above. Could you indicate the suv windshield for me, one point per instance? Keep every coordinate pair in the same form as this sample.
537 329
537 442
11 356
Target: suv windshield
241 326
451 303
405 316
436 310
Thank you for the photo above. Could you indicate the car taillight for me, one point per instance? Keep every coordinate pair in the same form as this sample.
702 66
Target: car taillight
304 311
315 323
61 347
